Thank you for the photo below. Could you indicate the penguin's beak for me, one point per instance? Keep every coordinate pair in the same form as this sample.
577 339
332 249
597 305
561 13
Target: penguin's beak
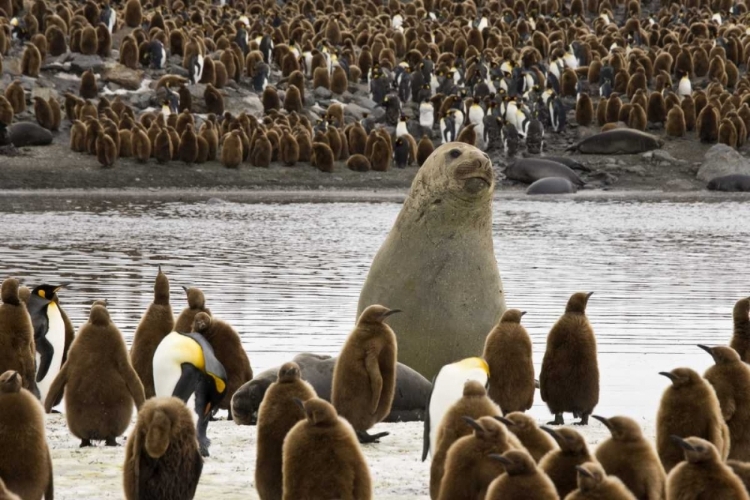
523 313
670 376
589 294
582 470
551 432
503 460
473 423
63 285
185 288
682 443
389 313
707 349
604 421
508 423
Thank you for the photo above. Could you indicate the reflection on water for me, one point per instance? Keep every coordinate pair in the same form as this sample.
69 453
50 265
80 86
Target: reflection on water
287 276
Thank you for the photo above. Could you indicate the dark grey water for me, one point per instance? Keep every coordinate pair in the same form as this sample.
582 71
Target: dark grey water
287 276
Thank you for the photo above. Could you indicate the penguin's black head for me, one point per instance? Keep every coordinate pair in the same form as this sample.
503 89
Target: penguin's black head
48 292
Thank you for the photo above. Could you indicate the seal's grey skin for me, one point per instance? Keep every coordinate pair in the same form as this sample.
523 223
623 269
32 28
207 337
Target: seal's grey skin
568 162
734 182
529 170
551 185
620 141
412 389
29 134
438 264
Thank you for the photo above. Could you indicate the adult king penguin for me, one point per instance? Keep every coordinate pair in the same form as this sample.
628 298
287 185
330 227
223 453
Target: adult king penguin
447 388
49 335
185 364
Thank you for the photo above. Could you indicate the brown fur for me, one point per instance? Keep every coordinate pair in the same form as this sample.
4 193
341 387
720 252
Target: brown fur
727 133
730 378
16 96
231 150
288 149
214 100
141 145
689 407
364 378
522 479
25 463
537 442
88 89
133 13
162 460
106 150
742 470
424 149
262 151
613 108
657 108
638 118
507 351
358 163
228 350
474 404
78 137
6 494
89 41
560 465
469 470
675 122
126 143
688 109
321 78
703 471
188 149
31 62
322 156
594 484
568 83
17 348
357 139
741 335
43 113
6 111
339 81
708 124
155 324
162 148
293 99
277 414
569 378
584 110
270 99
99 382
322 459
629 456
196 304
54 107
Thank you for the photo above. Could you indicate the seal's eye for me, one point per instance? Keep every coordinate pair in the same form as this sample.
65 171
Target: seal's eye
455 153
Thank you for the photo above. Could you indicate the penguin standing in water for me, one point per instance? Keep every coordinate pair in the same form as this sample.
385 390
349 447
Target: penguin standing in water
447 388
185 364
49 335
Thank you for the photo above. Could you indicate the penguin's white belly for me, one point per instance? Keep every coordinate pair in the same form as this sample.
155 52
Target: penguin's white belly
56 337
426 116
167 365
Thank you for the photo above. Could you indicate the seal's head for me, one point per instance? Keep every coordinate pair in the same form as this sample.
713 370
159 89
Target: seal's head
456 171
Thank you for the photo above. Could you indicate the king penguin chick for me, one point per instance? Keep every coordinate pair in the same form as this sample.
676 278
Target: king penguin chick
629 456
448 387
522 479
560 465
424 149
569 379
155 324
701 473
594 484
730 378
17 346
278 413
228 350
196 304
161 457
688 407
474 404
184 364
99 382
469 470
507 351
537 442
321 457
740 341
364 377
25 464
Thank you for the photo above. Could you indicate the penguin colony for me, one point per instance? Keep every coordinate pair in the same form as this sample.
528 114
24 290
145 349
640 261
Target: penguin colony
310 448
498 74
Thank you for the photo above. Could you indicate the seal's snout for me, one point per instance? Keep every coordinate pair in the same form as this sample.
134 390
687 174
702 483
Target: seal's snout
476 173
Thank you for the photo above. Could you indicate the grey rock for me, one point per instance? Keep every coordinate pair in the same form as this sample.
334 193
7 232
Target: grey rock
323 93
647 155
355 111
253 105
662 155
722 160
178 70
365 102
80 63
123 76
43 92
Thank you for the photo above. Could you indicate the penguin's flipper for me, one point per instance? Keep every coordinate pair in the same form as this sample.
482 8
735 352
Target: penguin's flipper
203 408
46 351
188 383
426 436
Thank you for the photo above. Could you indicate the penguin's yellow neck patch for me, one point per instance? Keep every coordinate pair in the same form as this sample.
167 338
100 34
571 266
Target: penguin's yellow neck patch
42 294
476 362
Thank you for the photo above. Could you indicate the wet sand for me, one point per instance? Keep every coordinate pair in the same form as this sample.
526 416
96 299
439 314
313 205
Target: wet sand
395 465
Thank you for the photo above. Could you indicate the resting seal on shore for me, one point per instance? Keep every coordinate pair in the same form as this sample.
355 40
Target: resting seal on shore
617 142
438 262
551 185
409 401
529 170
734 182
29 134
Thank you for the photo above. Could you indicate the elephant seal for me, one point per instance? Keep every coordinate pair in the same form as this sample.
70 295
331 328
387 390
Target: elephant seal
438 262
621 141
551 185
529 170
734 182
568 162
29 134
412 389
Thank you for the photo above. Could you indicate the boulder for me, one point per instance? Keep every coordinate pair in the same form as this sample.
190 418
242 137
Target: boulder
123 76
722 160
80 63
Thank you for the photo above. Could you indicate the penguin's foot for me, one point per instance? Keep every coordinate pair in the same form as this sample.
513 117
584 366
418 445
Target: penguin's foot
55 411
584 420
111 442
203 444
365 438
558 420
85 443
